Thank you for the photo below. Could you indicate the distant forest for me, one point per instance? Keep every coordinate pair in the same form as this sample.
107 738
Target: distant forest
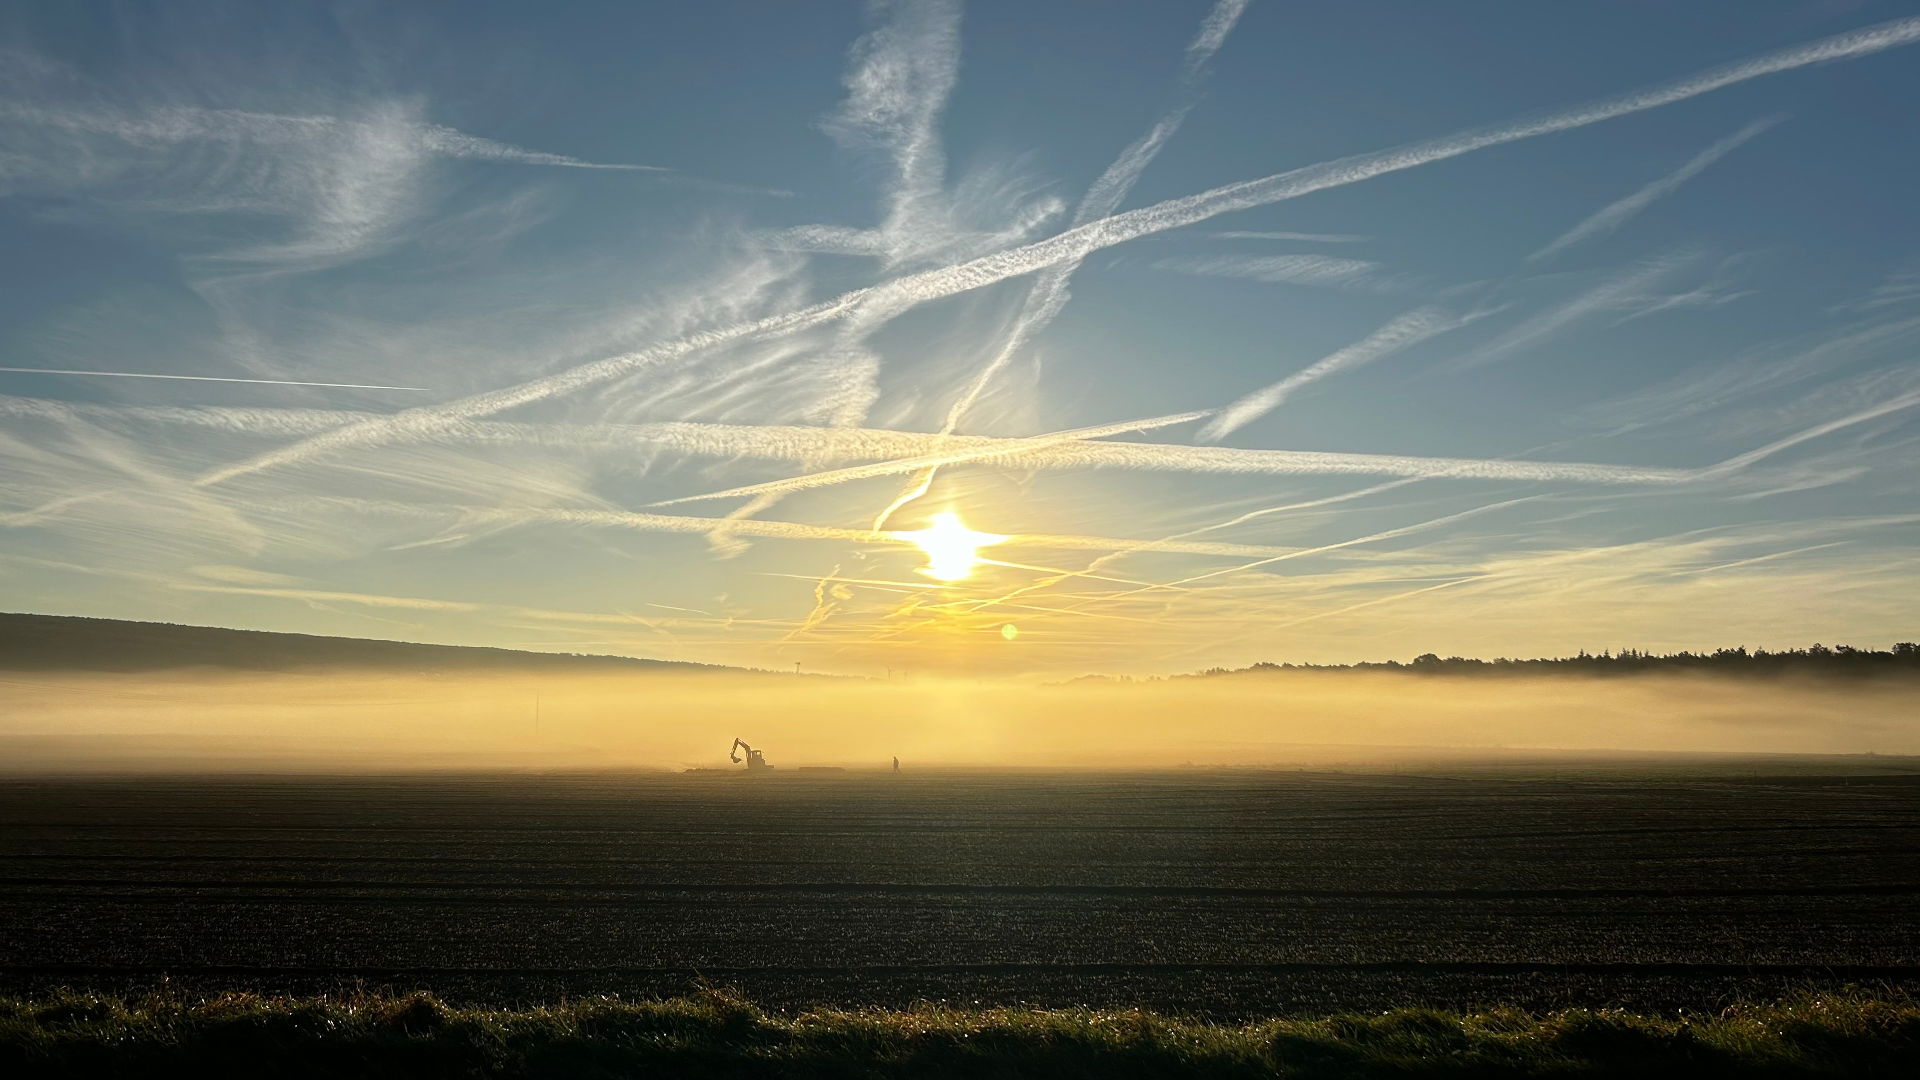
1816 659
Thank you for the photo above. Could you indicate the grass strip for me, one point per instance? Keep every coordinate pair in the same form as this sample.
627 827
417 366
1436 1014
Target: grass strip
719 1033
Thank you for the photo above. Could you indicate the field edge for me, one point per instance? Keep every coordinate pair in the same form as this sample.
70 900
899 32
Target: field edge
719 1032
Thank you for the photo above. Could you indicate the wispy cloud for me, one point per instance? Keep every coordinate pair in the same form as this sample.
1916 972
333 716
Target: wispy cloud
203 378
1610 217
1318 238
902 74
1626 290
167 125
345 183
1901 287
1767 370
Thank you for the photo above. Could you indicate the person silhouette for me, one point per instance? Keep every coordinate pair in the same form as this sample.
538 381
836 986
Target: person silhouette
896 764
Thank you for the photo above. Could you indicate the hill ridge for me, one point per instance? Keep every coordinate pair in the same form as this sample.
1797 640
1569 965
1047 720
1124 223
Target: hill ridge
34 642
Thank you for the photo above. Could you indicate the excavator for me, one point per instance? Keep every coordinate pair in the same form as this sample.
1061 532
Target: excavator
756 761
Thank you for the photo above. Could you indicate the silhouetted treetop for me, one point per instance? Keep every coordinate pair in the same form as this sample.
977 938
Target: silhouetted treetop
1815 659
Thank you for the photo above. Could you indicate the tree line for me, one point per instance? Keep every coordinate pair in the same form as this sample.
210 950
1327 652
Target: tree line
1816 659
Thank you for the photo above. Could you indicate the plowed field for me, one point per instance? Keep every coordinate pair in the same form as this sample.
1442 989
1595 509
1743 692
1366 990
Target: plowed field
1224 893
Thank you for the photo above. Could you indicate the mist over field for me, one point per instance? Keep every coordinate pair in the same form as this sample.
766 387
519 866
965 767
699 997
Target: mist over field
959 537
346 719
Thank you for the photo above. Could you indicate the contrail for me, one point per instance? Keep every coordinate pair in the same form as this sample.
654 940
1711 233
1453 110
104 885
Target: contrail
1005 448
1306 505
1049 293
1759 559
1294 554
1400 333
1614 215
1739 462
891 452
1115 556
1161 457
1324 271
1249 516
1319 238
206 378
1176 213
1299 553
779 530
895 452
1077 243
1381 600
427 420
903 452
1213 32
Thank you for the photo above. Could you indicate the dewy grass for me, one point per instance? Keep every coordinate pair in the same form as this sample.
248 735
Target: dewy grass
720 1034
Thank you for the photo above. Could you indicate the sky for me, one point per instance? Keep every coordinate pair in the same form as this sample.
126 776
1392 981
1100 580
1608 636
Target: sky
1224 332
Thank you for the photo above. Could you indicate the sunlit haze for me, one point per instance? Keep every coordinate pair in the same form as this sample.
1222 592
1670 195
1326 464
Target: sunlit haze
1005 339
952 548
334 721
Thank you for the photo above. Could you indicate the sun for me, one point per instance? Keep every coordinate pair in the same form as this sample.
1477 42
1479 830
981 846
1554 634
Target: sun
950 547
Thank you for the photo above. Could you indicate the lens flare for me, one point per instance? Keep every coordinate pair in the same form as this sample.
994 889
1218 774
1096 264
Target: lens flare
950 547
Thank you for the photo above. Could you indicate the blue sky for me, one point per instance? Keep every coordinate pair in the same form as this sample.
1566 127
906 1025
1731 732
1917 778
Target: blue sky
1264 331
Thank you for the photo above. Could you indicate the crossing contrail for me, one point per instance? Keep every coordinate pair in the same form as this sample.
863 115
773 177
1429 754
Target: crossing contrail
1078 242
1048 294
997 449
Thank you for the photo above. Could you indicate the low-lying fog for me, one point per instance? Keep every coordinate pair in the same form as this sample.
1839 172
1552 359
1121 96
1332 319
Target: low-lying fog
326 720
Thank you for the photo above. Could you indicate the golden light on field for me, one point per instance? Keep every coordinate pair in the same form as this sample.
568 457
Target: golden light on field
342 719
1009 631
951 547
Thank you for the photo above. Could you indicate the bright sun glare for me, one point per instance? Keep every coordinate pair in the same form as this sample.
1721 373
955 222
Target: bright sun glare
950 547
